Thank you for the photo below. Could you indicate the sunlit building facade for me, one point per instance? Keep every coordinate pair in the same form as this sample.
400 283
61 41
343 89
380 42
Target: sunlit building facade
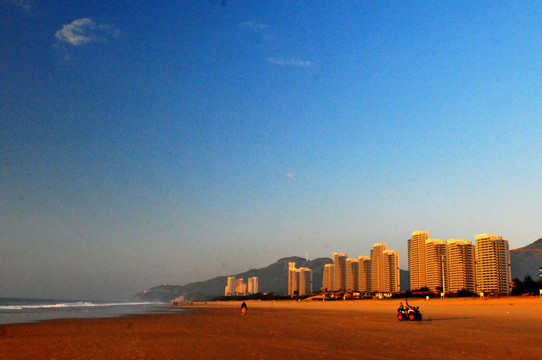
377 268
492 264
339 271
436 265
392 273
416 259
305 281
461 266
352 274
327 281
365 278
253 285
230 286
299 280
378 273
240 287
293 279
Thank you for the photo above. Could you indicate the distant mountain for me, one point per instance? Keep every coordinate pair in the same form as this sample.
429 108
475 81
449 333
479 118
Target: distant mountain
537 245
273 278
527 261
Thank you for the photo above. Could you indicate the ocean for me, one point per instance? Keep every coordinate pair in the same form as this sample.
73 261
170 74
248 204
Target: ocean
13 310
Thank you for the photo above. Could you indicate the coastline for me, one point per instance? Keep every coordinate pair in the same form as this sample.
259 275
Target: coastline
467 328
13 311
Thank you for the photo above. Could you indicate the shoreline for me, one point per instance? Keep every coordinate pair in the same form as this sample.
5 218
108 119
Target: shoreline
506 328
374 303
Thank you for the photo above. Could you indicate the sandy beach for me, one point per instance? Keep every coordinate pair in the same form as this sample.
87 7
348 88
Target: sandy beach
504 328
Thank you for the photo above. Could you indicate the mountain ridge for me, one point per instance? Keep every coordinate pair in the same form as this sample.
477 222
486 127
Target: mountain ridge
527 260
270 279
524 261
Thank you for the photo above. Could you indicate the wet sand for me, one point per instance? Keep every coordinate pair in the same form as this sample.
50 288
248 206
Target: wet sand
505 328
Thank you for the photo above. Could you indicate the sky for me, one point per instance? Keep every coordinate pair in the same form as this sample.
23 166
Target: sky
144 143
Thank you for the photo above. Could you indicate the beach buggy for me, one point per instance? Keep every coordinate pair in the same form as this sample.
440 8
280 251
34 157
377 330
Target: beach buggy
408 312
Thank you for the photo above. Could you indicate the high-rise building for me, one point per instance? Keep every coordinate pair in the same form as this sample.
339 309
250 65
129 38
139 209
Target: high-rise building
230 286
385 273
240 287
461 268
392 273
339 271
377 268
299 280
416 259
436 265
253 285
293 279
305 281
327 281
492 264
352 274
364 273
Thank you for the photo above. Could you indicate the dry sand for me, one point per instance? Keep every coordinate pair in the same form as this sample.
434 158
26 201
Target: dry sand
505 328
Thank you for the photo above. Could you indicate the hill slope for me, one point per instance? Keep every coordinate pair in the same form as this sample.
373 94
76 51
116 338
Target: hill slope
273 278
527 260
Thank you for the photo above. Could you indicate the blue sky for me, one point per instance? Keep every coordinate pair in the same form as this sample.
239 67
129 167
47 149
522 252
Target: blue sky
144 143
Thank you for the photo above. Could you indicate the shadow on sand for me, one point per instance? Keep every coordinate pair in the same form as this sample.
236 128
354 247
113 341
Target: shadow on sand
448 319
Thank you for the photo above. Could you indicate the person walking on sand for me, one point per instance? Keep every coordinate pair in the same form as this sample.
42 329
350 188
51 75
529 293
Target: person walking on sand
243 308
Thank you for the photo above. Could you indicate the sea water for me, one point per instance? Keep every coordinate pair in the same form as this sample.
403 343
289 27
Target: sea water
32 310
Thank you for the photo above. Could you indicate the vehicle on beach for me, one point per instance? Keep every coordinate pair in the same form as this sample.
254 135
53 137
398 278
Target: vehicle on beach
411 313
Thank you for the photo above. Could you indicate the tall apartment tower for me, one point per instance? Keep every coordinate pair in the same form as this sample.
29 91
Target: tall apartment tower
352 274
416 259
305 281
392 273
339 271
461 268
230 286
327 281
492 264
364 273
436 265
293 279
253 285
299 280
377 268
240 287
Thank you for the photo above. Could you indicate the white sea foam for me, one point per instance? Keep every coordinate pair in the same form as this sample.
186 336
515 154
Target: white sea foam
67 305
31 310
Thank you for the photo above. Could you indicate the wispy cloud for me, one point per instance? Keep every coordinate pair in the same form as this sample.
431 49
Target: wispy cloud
26 5
83 31
254 25
289 62
270 44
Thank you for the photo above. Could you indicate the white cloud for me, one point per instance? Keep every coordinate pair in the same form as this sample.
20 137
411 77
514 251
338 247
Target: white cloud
83 31
289 62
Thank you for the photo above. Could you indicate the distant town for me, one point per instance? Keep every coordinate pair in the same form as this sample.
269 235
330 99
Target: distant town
436 267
